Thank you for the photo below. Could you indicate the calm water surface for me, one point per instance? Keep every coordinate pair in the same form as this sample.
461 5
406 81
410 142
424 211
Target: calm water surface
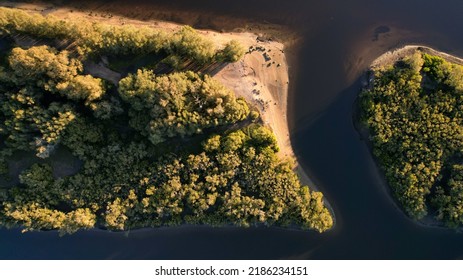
340 39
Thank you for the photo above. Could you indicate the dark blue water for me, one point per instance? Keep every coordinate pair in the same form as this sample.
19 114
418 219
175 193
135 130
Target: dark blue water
339 40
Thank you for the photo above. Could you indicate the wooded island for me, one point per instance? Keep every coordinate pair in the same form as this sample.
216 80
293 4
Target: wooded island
413 109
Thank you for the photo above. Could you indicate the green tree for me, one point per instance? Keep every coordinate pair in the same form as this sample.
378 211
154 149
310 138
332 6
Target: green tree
232 52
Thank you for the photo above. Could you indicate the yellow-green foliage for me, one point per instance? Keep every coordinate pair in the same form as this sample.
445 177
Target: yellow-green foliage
34 217
414 115
54 72
92 37
141 163
233 51
31 77
179 104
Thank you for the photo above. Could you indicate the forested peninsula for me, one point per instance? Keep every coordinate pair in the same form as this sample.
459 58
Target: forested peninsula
413 111
122 127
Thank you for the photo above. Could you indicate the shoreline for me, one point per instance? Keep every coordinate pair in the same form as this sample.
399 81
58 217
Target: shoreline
392 56
385 59
261 77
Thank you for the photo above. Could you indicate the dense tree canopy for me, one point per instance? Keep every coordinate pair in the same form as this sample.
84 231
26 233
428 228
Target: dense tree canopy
90 37
33 114
414 114
53 72
179 104
153 150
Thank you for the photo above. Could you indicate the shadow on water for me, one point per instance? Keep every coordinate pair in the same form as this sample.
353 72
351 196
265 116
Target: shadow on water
341 38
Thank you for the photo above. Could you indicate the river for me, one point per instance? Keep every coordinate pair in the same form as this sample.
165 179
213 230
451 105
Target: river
340 39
